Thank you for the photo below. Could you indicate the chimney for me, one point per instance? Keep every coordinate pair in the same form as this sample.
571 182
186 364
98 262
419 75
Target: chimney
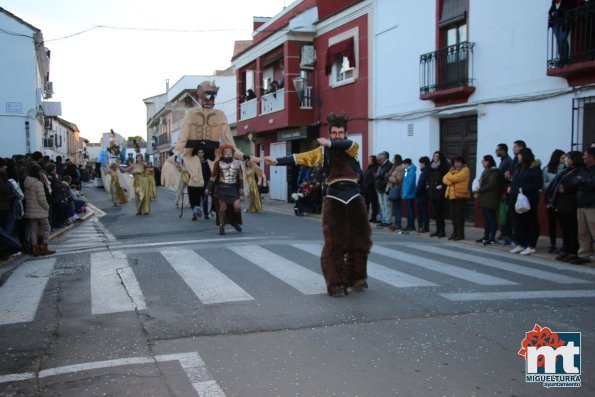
166 85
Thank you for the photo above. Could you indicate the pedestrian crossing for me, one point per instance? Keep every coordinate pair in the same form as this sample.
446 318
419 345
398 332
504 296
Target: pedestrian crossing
116 280
89 234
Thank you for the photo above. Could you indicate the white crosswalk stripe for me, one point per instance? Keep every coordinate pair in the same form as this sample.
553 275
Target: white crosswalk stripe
208 284
116 288
89 234
21 294
497 264
386 275
440 267
304 280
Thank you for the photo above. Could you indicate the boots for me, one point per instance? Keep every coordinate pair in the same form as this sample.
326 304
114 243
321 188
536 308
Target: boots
36 250
45 250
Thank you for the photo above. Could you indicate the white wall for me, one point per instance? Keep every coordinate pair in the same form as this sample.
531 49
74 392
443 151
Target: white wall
19 79
514 97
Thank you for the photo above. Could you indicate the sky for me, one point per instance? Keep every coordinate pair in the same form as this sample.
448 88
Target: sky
101 75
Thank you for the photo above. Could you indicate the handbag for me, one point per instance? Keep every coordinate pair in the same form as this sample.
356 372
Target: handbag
394 193
522 203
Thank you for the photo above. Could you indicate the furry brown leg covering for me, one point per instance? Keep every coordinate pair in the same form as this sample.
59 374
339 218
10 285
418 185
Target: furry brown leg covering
347 242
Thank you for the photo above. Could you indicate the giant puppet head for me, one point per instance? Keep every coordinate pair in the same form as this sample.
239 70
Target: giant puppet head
207 92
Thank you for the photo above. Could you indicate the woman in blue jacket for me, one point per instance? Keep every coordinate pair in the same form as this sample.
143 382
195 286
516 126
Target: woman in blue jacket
408 193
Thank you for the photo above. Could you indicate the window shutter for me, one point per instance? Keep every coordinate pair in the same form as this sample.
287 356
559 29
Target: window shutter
452 11
341 49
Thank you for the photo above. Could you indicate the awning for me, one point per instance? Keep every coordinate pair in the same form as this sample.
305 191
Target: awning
452 11
342 49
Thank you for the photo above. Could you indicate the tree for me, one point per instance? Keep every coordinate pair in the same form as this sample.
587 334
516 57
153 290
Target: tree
139 139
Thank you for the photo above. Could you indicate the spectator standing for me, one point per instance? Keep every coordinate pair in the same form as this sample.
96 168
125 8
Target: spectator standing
457 192
488 195
436 191
381 182
504 167
421 196
408 193
36 213
561 198
7 197
553 168
369 191
395 180
529 179
585 201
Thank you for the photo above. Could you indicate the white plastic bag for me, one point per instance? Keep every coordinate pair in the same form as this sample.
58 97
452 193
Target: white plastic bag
522 203
475 185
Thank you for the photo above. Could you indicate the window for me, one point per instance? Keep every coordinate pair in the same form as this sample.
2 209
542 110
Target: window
341 58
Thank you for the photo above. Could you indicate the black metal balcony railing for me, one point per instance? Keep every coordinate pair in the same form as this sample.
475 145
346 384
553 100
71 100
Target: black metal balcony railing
163 139
571 38
446 68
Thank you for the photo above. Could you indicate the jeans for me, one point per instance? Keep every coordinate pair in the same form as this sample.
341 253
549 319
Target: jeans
489 223
423 219
386 207
561 33
409 205
397 211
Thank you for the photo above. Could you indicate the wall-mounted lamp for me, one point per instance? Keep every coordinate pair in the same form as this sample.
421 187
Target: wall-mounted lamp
300 85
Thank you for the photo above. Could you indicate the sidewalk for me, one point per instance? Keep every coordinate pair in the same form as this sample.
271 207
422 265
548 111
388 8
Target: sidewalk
472 233
7 265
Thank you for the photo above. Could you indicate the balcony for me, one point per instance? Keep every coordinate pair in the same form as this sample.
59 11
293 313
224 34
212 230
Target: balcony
163 139
248 109
272 102
571 45
446 75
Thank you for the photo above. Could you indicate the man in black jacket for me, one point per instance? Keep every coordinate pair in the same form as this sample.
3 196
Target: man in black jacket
381 182
585 202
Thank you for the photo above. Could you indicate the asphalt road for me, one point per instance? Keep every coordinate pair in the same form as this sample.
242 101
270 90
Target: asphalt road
159 305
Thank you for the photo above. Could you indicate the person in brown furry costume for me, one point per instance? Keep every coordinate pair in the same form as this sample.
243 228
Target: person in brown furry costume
347 233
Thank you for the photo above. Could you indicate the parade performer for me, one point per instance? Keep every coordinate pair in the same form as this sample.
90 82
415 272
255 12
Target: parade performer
253 194
195 182
141 186
345 224
227 186
170 176
150 172
117 192
207 127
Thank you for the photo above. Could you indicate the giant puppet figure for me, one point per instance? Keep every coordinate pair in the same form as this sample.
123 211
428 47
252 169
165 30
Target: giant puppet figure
206 127
345 224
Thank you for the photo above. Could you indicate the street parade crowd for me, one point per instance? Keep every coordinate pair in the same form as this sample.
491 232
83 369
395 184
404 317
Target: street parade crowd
38 194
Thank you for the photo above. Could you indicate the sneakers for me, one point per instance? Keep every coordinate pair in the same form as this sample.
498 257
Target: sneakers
552 249
481 240
527 251
517 249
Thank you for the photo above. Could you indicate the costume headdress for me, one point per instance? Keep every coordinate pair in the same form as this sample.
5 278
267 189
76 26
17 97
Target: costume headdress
337 121
226 146
207 91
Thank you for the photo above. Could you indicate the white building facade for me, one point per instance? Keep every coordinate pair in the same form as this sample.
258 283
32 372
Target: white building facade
24 78
462 76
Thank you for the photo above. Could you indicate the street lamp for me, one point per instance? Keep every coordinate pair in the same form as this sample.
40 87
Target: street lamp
300 87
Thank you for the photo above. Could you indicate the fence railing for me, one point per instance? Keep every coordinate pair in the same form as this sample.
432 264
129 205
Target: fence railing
273 102
446 68
571 37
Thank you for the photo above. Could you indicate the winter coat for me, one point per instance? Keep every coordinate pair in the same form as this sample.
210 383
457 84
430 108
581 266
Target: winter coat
36 206
561 192
408 189
395 177
421 192
382 177
6 193
548 177
435 186
530 180
457 182
370 178
585 195
490 188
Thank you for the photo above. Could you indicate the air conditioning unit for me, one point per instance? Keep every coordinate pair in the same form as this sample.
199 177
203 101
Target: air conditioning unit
48 90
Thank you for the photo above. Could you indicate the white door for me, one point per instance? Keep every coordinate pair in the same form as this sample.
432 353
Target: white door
278 182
